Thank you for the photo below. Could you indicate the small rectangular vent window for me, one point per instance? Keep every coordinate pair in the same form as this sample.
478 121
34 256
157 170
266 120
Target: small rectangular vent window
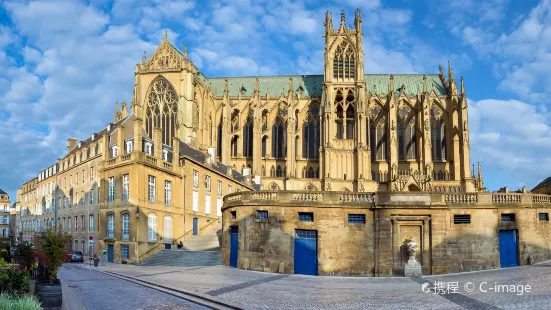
356 218
462 219
262 215
544 217
508 218
233 215
305 217
306 234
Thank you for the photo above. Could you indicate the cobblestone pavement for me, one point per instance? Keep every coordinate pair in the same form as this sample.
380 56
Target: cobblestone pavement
101 291
257 290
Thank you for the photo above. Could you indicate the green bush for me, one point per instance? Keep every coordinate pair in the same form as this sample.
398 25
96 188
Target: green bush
23 303
25 256
13 281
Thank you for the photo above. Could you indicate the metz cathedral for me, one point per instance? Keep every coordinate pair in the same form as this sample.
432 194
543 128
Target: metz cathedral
343 130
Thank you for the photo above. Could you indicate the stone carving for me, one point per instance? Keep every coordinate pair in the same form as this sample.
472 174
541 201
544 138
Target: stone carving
412 268
165 57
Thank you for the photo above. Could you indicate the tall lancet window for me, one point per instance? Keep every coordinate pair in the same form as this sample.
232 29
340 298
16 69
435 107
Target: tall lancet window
345 115
279 130
438 134
219 138
344 62
406 134
161 109
377 134
248 135
310 134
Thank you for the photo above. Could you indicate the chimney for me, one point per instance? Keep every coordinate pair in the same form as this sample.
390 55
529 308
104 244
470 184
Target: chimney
124 110
246 172
212 153
71 144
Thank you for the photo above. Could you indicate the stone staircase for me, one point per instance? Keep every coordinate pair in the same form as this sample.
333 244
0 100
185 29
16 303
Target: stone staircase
197 251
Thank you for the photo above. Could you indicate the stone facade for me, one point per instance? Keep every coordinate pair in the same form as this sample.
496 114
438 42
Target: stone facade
5 208
378 247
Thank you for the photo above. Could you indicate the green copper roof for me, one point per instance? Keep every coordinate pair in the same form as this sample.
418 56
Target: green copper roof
276 85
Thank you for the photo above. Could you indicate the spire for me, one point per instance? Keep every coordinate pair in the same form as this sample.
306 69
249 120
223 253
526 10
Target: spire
144 58
165 38
343 22
328 22
424 83
480 178
116 111
358 20
391 84
185 51
462 87
290 86
257 87
451 81
450 73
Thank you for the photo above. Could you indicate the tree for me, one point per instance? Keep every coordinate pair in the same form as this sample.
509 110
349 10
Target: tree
52 249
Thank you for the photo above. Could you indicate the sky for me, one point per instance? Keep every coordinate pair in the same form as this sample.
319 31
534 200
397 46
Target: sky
64 64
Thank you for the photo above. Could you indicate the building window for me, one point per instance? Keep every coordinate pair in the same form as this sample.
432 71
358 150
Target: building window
305 217
462 219
207 183
111 196
64 224
219 188
406 135
148 148
507 217
111 226
438 134
207 204
82 199
76 223
233 145
125 251
229 189
125 187
168 228
115 151
151 188
125 226
165 155
262 215
83 176
129 146
356 218
168 193
306 234
195 201
195 178
91 223
344 62
76 245
279 134
91 196
219 207
152 227
544 217
91 174
76 180
82 223
378 139
233 215
310 135
248 136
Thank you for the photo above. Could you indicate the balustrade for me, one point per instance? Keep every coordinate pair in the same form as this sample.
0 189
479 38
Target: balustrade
506 198
461 198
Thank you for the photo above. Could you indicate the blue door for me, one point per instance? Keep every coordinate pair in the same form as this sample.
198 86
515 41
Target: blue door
306 252
167 246
508 248
195 225
234 246
110 253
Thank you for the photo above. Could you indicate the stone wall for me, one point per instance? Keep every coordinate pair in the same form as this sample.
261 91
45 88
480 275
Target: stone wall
377 248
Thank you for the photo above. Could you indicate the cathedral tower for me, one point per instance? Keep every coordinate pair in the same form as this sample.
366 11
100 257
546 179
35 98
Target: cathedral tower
345 161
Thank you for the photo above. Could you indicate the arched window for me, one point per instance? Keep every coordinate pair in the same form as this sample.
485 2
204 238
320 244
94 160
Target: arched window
279 130
235 120
263 171
272 172
234 141
219 140
161 97
111 226
378 139
406 134
264 138
248 136
310 134
311 174
264 120
344 62
438 134
304 172
279 172
345 115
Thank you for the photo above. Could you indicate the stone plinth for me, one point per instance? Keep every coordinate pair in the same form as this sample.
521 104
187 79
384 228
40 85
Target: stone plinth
412 268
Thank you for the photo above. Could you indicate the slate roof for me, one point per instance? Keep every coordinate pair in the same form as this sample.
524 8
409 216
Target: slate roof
375 83
198 156
543 183
2 192
85 143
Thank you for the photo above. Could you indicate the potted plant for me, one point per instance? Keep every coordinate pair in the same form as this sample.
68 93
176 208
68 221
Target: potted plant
51 249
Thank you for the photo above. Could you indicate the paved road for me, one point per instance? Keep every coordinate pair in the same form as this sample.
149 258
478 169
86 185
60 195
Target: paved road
257 290
102 292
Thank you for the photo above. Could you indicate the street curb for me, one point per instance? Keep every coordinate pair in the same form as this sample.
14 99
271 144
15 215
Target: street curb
198 298
71 300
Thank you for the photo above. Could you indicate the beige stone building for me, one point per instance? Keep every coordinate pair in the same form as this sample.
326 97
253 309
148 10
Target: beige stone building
394 169
5 208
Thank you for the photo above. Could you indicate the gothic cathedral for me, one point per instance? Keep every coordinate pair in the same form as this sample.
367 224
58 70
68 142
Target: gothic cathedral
341 131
